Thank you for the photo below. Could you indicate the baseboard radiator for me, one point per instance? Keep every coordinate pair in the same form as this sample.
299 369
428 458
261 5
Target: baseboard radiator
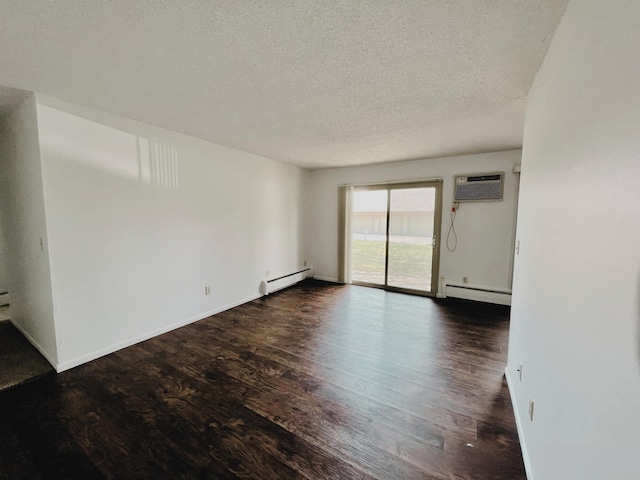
480 294
274 284
4 298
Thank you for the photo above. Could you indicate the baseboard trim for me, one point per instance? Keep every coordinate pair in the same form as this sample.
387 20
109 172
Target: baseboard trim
326 279
523 444
37 346
141 338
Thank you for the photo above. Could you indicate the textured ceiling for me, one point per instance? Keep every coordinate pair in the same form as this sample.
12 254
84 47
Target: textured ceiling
314 83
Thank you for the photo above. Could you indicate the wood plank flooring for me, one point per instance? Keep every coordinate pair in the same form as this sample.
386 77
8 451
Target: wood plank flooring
20 362
318 381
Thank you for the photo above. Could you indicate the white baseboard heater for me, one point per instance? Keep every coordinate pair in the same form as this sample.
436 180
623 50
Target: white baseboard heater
284 281
480 294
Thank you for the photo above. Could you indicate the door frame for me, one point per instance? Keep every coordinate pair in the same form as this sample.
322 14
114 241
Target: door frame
437 220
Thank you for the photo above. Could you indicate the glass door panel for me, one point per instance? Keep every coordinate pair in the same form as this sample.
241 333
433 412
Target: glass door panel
369 236
411 237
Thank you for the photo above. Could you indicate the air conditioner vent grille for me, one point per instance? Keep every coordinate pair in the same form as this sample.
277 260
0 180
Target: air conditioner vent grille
480 187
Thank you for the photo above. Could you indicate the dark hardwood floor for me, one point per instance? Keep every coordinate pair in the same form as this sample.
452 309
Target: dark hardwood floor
317 381
20 362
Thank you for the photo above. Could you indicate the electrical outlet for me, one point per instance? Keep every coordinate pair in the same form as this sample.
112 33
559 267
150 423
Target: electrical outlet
207 290
267 273
531 409
305 263
520 371
465 279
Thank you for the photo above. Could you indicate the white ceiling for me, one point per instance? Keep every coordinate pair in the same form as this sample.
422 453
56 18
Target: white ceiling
310 82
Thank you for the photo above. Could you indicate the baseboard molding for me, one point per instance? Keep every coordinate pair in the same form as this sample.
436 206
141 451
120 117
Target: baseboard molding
141 338
523 444
326 279
37 346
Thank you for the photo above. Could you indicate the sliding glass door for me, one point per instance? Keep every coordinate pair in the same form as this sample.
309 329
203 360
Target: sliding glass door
394 239
368 241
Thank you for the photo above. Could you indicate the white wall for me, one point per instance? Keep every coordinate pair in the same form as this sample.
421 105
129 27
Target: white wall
485 229
575 315
4 272
132 250
24 224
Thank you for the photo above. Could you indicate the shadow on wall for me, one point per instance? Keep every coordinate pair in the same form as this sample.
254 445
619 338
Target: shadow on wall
109 149
157 163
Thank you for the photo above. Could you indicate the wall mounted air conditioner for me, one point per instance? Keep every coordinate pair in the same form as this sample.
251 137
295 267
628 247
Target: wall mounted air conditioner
479 187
